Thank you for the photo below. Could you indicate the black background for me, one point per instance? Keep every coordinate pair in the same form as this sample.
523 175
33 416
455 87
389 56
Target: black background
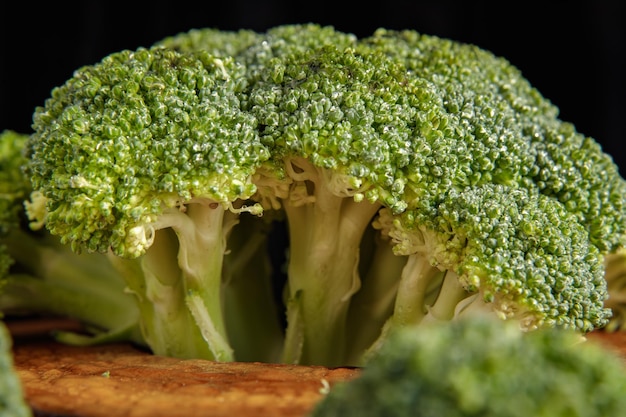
573 52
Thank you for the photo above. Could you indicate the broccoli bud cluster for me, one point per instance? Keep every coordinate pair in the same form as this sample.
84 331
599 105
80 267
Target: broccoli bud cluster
296 195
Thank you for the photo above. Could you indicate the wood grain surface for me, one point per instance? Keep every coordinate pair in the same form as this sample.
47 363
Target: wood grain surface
123 380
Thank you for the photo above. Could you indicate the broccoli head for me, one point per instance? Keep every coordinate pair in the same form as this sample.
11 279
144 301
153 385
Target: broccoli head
415 178
159 164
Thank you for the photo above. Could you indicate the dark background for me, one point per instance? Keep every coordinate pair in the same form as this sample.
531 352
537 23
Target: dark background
573 52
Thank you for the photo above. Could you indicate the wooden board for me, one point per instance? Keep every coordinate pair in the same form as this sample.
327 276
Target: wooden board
121 380
124 381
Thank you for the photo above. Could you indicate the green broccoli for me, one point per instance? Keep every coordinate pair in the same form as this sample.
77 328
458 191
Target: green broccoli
159 167
518 254
357 129
220 43
482 367
511 131
416 178
42 275
12 400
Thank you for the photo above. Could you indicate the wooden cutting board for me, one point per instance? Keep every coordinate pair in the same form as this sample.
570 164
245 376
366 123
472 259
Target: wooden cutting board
120 380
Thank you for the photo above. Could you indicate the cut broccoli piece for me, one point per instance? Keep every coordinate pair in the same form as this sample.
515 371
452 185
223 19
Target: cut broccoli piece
481 367
12 397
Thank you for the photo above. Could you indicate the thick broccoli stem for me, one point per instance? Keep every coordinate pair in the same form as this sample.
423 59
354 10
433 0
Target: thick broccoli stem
178 283
325 231
202 242
52 279
167 326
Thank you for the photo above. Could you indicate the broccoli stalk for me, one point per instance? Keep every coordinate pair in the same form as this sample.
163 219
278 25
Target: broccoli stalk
48 278
325 233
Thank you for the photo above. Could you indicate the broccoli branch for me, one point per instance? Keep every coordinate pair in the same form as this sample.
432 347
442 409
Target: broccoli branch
325 232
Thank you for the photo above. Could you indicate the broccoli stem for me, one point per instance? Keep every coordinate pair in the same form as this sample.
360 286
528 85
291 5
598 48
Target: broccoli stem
51 278
417 275
178 283
202 242
325 234
425 294
167 326
450 294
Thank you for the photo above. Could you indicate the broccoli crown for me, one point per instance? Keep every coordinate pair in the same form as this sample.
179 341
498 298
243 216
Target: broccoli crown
481 367
137 132
500 129
523 251
441 146
349 113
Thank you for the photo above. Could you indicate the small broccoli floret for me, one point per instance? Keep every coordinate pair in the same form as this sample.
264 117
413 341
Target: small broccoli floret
12 400
481 367
40 275
518 254
148 156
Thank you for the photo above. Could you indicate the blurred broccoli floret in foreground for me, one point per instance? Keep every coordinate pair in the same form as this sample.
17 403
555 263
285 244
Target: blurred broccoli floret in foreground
480 367
12 402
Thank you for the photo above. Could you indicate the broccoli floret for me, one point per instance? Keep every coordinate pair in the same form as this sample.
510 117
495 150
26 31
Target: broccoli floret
417 179
506 132
159 164
40 275
338 124
12 399
481 367
500 249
